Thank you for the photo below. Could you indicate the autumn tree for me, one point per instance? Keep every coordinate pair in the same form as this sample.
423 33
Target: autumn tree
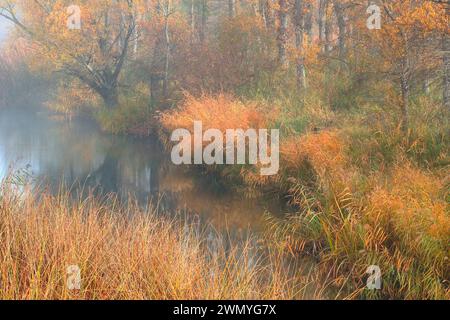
95 54
446 57
445 49
406 44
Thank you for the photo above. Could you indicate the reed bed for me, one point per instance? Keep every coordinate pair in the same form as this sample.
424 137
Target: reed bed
123 252
361 193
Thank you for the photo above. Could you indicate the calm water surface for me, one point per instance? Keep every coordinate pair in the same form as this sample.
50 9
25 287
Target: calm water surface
77 154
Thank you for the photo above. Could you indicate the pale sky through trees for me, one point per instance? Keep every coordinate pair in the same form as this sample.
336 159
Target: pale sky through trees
4 29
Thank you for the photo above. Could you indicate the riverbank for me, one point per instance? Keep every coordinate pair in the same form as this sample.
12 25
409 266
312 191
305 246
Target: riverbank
362 195
359 195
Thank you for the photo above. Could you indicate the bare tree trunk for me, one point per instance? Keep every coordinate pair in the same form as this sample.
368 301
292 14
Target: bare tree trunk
204 20
299 19
192 18
231 8
262 11
446 61
167 8
339 11
282 33
323 5
426 86
328 28
268 15
136 43
404 84
136 34
309 21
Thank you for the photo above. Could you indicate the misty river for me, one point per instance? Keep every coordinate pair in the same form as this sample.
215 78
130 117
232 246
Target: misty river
54 152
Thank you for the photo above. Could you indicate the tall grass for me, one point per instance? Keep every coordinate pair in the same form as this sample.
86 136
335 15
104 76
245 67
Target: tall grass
123 252
370 195
361 192
219 112
400 223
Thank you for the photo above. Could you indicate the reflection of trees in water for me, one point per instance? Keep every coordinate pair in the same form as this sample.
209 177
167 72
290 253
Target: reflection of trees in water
106 176
78 155
84 160
128 168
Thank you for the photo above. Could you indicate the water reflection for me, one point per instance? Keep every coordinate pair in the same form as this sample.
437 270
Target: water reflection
77 154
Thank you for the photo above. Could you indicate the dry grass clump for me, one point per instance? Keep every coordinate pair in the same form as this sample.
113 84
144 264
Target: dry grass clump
397 219
219 112
414 214
324 150
415 198
308 155
362 197
401 224
123 252
222 112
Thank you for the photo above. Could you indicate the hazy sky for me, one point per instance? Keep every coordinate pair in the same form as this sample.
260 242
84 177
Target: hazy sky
4 27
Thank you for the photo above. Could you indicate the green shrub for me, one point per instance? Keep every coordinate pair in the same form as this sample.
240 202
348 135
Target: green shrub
132 116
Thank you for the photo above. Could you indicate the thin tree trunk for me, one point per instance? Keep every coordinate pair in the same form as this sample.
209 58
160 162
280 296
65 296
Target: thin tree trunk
282 33
328 28
309 21
204 21
231 8
136 36
426 86
268 16
152 90
339 11
446 61
323 5
299 19
261 10
192 17
167 56
404 84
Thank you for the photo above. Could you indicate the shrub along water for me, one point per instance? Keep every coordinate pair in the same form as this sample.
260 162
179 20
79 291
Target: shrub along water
360 194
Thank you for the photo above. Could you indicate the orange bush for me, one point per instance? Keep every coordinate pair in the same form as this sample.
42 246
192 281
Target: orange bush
325 152
412 202
222 112
219 112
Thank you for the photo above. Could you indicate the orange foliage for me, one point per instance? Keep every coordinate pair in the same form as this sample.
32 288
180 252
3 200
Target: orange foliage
223 112
412 202
325 152
219 112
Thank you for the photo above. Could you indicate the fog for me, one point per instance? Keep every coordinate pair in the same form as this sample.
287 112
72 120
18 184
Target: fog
5 27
